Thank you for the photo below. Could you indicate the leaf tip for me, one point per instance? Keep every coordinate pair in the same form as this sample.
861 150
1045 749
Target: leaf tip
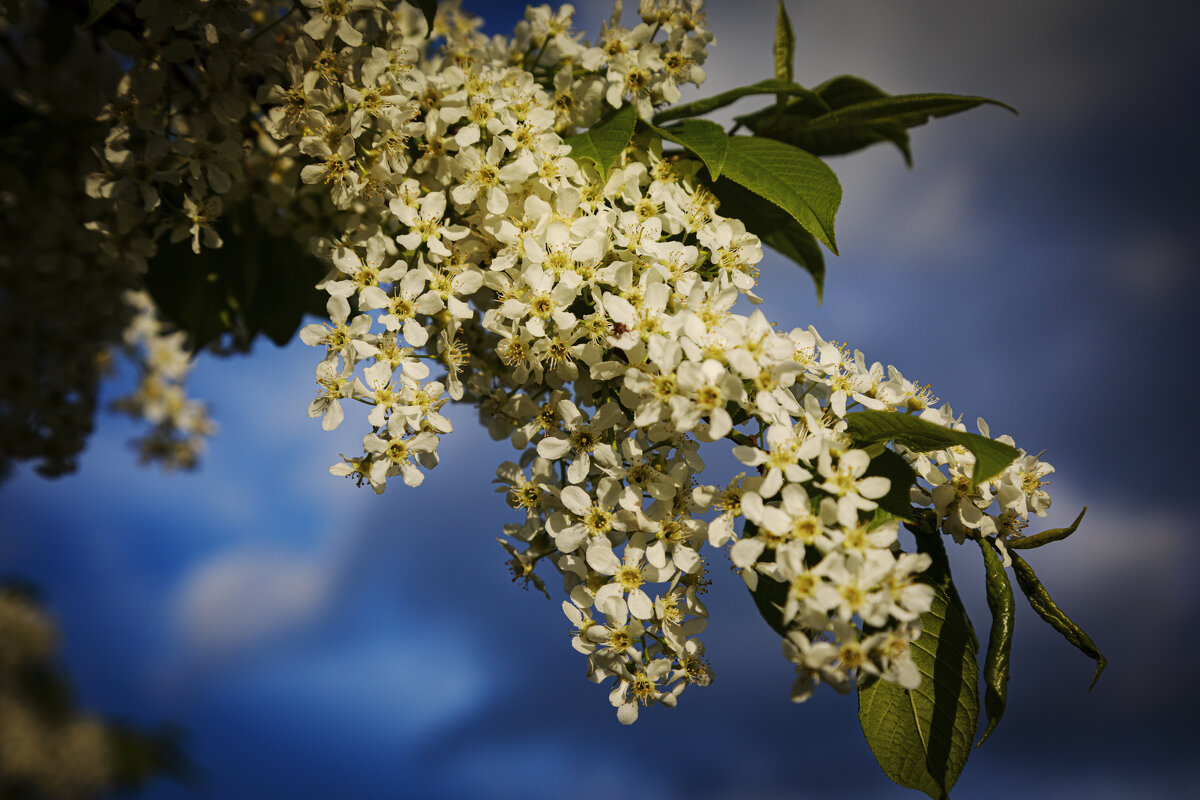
1101 663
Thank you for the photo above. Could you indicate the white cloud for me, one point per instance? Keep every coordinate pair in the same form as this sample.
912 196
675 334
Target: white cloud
244 598
1117 554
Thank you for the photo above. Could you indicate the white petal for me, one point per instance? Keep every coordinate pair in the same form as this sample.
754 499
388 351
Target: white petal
874 487
640 604
333 416
576 500
553 447
601 558
578 471
746 552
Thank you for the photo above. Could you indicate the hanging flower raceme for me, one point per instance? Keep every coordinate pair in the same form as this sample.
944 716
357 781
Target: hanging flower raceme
584 291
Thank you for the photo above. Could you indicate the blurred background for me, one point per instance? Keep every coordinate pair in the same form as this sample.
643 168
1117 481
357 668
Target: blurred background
1039 270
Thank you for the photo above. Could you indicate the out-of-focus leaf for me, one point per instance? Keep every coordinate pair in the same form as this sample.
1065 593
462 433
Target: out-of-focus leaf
254 284
139 756
97 9
429 9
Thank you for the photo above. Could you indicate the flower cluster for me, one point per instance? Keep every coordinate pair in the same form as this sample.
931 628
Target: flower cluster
593 313
180 425
592 319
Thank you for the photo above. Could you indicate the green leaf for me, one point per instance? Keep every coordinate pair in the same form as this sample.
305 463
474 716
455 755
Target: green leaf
861 114
703 137
789 125
991 457
922 737
770 86
96 10
774 226
798 182
995 666
785 48
854 126
895 468
835 93
1048 610
845 90
603 142
849 138
1045 537
908 110
429 9
770 596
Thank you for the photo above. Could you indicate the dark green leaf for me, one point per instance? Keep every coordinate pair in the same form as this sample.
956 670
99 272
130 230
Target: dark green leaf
862 114
1003 607
1048 610
845 90
834 94
991 457
857 125
798 182
96 10
849 138
770 596
706 139
785 48
908 110
790 125
603 142
1045 537
922 737
892 466
771 86
429 9
255 283
774 226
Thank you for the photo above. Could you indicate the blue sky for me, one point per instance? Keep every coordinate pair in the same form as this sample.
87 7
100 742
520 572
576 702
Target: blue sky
317 641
